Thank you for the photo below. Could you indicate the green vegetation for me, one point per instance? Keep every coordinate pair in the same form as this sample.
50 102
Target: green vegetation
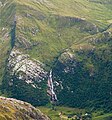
87 80
70 112
50 27
65 111
11 109
47 28
103 117
23 91
74 37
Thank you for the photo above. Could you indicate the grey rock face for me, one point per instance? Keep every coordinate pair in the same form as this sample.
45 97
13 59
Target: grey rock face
24 68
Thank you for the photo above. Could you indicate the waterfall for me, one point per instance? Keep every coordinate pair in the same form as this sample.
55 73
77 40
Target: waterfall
50 90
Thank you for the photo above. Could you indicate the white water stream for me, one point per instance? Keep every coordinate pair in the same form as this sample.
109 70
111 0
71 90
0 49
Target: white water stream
50 90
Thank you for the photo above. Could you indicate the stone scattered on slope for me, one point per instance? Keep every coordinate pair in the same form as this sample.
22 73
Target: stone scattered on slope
28 70
12 109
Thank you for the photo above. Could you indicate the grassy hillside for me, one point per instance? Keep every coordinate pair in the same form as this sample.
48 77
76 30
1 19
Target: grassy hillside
11 109
69 113
49 27
55 115
74 37
103 117
46 28
5 28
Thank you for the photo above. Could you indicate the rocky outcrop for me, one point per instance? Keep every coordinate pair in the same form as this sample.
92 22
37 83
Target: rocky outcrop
12 109
24 68
25 78
81 23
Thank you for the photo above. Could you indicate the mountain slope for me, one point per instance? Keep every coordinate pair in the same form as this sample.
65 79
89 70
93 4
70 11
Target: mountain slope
14 109
72 37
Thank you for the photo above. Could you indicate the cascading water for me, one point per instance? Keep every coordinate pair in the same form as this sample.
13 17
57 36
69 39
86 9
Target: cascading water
50 90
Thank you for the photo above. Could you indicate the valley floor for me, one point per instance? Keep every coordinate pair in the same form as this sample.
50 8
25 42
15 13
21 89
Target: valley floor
66 113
